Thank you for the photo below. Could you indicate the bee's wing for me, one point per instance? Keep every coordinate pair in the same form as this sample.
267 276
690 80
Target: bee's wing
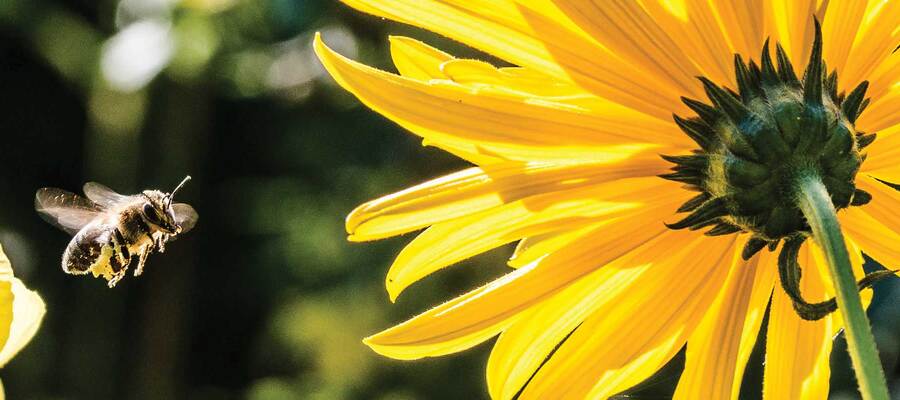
185 216
102 195
67 211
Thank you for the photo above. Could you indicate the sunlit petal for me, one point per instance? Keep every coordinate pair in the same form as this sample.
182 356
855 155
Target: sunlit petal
484 312
449 242
477 189
797 351
612 350
718 350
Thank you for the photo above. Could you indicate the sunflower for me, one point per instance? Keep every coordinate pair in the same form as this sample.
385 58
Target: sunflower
652 210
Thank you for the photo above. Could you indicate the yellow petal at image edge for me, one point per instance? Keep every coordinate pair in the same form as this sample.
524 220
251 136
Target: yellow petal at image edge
28 310
21 312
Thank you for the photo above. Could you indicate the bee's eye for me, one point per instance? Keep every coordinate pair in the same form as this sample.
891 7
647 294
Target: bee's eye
151 214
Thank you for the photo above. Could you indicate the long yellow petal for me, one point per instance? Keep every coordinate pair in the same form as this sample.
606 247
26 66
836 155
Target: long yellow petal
28 310
417 60
476 72
536 35
874 226
511 126
718 350
524 346
750 16
477 189
450 242
627 29
797 351
466 21
872 46
882 114
884 204
21 311
842 19
694 27
882 156
476 316
532 248
635 333
420 61
791 23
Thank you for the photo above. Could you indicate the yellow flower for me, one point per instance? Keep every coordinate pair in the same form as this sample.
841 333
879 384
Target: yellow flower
567 147
21 311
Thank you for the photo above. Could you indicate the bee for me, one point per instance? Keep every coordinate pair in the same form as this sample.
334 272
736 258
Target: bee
111 229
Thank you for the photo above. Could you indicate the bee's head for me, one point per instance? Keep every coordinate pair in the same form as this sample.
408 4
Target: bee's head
157 210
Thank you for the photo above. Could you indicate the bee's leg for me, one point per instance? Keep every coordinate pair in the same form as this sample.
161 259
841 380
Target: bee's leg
116 277
119 259
142 259
160 242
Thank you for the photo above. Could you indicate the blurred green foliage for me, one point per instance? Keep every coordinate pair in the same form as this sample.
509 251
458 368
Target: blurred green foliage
265 299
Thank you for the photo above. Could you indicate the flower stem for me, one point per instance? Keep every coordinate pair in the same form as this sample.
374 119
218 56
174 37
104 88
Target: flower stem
814 201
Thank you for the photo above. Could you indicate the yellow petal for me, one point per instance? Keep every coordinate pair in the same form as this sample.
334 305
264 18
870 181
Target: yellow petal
28 310
694 27
791 23
632 335
872 46
475 72
524 346
882 114
750 16
532 248
884 204
882 156
874 227
631 33
417 60
797 351
476 316
842 18
511 126
477 189
718 350
6 297
466 21
537 87
21 311
536 35
453 241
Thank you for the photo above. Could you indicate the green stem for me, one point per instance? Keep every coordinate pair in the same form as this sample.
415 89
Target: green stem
814 201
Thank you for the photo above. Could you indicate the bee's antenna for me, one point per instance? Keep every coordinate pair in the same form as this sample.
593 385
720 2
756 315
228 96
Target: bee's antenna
183 181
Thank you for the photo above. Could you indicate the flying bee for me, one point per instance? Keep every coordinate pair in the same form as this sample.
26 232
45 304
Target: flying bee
111 229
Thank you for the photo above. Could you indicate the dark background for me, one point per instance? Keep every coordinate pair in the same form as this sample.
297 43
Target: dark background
264 299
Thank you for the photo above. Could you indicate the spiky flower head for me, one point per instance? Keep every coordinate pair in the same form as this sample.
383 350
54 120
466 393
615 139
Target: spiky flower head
755 141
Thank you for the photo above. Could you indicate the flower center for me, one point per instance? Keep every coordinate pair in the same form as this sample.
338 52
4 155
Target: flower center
754 143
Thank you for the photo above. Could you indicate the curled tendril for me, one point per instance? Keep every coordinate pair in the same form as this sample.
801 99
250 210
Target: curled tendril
789 272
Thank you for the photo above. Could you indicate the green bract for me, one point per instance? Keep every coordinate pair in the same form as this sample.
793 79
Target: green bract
756 141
